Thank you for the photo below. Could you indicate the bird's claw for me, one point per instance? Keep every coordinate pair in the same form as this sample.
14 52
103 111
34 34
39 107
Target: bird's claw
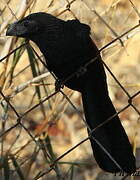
58 85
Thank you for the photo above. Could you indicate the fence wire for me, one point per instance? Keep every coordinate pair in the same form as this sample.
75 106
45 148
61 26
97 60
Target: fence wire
10 93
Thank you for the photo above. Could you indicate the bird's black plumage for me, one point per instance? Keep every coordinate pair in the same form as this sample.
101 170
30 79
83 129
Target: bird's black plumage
67 46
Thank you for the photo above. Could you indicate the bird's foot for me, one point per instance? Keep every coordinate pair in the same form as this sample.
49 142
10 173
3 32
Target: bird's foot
58 85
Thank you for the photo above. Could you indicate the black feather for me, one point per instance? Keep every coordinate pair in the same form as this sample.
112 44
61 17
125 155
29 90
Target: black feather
67 46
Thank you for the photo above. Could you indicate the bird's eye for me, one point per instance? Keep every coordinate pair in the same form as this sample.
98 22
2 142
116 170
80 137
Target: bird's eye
26 23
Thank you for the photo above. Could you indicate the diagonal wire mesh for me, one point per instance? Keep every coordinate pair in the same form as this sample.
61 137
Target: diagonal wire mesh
35 116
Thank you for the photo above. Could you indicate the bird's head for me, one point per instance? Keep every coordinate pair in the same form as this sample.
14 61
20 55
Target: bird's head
33 25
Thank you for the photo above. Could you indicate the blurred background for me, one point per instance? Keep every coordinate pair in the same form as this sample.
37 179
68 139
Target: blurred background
38 125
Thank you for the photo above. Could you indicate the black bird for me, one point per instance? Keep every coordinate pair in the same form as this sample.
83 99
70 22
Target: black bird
67 47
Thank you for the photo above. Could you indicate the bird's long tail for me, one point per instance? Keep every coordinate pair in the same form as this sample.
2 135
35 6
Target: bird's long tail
112 136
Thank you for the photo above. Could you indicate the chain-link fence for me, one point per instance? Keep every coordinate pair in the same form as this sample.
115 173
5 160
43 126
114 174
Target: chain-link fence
43 132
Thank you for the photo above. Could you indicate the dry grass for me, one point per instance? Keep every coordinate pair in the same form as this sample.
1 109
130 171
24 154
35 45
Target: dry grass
39 125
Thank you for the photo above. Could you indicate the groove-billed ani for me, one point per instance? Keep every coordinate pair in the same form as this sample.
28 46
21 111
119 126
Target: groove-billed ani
67 47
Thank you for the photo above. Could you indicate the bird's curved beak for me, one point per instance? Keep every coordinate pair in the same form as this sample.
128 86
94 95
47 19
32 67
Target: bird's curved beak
11 30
